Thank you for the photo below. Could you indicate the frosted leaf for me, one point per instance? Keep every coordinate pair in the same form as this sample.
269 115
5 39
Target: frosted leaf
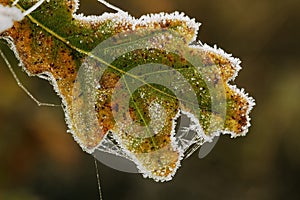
125 82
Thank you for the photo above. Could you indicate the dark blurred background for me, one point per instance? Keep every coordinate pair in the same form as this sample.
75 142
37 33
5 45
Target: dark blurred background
39 160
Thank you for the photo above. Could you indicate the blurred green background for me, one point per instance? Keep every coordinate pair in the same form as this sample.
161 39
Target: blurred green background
39 160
